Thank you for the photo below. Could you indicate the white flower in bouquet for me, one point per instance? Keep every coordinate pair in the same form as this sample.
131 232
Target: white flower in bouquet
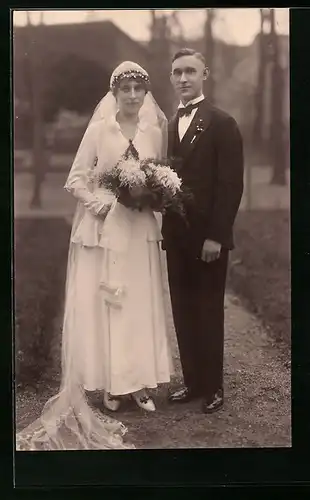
130 173
168 178
151 167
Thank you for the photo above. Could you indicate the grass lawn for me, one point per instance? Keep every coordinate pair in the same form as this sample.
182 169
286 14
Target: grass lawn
41 248
260 267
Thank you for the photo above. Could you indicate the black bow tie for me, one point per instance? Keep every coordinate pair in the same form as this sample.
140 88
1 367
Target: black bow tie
187 110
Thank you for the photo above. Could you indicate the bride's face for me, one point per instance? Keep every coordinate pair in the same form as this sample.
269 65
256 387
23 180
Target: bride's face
130 96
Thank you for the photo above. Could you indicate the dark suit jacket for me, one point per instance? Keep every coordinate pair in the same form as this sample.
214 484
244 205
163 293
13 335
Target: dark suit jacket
209 159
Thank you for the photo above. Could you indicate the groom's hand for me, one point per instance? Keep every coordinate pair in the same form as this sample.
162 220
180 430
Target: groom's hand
211 251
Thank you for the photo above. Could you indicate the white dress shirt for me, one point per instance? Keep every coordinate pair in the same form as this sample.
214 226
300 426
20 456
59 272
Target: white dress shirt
185 121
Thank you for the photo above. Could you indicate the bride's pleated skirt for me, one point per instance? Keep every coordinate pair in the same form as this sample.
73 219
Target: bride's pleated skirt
116 304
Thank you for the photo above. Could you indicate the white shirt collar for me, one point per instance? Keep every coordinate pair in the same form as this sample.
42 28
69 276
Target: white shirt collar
194 101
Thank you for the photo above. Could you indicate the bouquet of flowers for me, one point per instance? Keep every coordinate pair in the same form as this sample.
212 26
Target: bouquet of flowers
165 186
145 183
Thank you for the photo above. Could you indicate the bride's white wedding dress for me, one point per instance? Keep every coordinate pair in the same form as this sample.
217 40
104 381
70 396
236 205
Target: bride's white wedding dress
114 334
116 294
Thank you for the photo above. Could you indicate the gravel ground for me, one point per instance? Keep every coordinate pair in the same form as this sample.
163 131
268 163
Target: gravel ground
259 270
257 389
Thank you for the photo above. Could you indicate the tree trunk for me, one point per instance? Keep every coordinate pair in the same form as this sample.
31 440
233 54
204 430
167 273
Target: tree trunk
38 154
209 40
160 62
277 125
277 132
38 122
259 94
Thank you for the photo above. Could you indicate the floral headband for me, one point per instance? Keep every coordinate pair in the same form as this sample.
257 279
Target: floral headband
130 73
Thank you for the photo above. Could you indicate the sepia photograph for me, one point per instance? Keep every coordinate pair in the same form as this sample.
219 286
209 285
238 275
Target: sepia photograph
151 229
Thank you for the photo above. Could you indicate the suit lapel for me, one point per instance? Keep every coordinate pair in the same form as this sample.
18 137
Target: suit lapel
172 131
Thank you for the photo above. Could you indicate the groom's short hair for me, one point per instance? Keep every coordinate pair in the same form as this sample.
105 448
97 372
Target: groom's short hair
189 52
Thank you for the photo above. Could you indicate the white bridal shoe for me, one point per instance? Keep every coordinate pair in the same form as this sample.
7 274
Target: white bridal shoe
144 401
110 402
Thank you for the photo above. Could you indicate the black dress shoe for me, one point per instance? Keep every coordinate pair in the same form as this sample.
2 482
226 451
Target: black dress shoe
215 404
183 395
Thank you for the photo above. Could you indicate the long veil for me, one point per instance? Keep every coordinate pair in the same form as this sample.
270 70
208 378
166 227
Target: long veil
68 420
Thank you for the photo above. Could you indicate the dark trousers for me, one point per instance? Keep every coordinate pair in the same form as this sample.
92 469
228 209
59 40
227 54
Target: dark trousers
197 295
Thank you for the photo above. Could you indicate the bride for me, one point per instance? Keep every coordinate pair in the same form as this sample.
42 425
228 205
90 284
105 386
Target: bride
114 329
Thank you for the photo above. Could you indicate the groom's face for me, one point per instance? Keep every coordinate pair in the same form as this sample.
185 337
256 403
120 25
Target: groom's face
187 77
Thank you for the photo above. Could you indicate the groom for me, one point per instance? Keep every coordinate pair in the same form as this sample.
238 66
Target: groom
206 147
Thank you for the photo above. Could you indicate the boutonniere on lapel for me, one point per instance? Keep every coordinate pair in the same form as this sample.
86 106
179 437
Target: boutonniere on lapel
198 130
